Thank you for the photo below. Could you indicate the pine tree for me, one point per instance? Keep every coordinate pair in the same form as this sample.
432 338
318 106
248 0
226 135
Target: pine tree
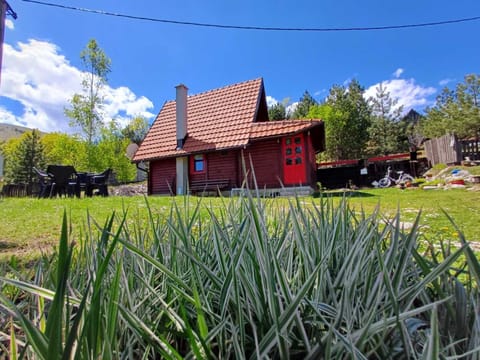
277 112
456 111
347 118
23 157
385 130
303 106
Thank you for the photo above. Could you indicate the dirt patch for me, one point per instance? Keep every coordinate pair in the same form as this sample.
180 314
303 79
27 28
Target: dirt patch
5 245
128 189
27 251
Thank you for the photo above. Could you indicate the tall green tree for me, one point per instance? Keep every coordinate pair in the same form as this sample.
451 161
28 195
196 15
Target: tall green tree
65 149
412 136
21 156
85 108
385 131
136 130
277 112
303 106
455 111
347 118
112 148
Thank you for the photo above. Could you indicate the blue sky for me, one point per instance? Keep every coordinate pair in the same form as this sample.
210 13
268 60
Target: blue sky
42 68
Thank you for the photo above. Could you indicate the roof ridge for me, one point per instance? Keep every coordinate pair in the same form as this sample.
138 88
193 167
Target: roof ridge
285 121
228 86
221 88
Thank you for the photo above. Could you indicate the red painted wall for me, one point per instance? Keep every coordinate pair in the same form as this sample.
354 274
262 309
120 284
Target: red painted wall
267 164
312 162
266 157
162 175
220 165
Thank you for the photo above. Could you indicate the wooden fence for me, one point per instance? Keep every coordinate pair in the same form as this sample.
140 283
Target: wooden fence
443 150
449 150
470 149
18 190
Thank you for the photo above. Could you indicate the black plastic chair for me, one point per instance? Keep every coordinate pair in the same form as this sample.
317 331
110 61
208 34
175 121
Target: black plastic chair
44 183
83 183
100 182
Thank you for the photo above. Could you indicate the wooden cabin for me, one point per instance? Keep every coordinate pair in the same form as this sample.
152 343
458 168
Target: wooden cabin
220 139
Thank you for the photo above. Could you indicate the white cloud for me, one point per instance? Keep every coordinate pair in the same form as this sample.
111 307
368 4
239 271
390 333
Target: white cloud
445 82
6 116
320 92
407 91
291 108
42 80
271 101
9 24
122 104
398 72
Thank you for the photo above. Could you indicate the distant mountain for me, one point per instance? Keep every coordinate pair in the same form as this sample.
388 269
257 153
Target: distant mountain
8 131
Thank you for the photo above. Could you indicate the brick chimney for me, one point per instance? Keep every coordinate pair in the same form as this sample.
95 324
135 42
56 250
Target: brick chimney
181 114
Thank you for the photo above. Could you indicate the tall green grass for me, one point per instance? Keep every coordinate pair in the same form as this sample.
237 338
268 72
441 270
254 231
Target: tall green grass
251 279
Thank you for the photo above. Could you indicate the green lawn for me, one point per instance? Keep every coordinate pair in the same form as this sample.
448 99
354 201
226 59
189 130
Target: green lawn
462 205
30 225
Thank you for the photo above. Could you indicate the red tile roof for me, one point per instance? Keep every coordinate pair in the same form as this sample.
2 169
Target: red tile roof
217 119
280 128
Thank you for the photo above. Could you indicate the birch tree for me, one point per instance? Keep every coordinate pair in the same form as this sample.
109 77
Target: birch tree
85 107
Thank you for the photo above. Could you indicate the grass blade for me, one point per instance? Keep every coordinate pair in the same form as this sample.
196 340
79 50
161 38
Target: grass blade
13 342
432 349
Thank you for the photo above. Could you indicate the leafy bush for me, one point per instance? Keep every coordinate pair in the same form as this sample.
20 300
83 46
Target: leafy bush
250 279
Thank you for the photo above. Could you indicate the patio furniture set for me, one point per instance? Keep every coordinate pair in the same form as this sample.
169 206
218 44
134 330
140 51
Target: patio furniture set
64 180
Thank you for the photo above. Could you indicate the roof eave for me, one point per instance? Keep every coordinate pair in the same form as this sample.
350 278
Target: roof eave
312 124
188 153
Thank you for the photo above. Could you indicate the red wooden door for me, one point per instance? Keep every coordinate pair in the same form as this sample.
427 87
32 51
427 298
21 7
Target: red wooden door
294 167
